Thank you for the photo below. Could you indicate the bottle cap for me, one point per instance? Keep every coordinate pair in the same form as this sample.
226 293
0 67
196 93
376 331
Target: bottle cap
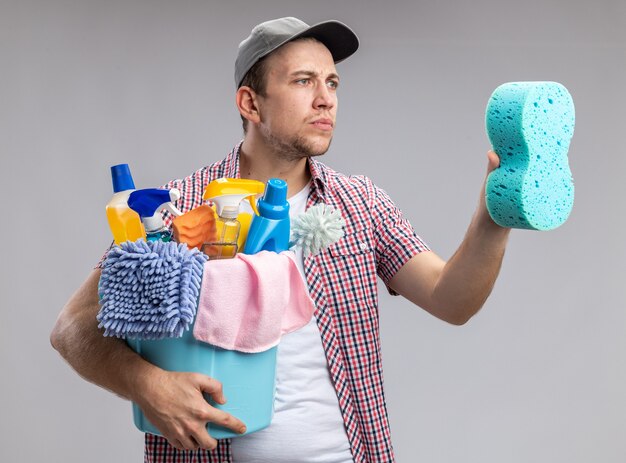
122 180
274 203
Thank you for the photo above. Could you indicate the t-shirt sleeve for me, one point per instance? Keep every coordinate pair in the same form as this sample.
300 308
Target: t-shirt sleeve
395 239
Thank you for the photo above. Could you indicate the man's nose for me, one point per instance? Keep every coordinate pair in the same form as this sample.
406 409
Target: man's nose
324 97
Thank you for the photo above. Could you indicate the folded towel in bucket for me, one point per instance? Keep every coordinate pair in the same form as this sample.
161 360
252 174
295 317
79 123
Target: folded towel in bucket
149 290
247 303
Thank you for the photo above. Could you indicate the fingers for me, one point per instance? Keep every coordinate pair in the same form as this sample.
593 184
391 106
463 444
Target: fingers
493 161
213 387
189 438
195 435
197 440
204 440
181 412
176 444
226 420
185 443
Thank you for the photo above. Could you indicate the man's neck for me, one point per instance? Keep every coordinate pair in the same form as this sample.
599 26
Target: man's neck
259 163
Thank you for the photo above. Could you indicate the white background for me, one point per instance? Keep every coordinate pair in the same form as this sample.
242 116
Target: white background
539 375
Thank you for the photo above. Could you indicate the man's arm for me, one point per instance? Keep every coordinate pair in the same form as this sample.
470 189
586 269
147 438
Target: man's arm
172 401
455 290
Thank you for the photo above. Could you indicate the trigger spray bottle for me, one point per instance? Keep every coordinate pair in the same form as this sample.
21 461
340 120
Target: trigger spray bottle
148 203
227 194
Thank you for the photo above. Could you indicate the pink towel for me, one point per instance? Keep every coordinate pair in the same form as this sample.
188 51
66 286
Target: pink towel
247 303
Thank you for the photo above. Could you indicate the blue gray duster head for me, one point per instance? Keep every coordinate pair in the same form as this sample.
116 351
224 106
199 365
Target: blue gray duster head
149 290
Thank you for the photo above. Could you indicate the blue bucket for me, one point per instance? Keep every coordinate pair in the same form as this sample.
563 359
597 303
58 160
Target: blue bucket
248 380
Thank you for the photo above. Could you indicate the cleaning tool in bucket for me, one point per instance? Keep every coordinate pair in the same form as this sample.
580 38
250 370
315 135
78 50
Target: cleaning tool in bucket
269 230
258 315
227 194
530 125
148 203
317 228
125 223
226 244
195 227
149 290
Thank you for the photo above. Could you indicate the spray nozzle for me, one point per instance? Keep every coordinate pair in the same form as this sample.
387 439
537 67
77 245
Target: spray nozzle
149 202
227 193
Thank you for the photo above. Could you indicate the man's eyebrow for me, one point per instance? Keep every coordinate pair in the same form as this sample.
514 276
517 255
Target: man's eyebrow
303 72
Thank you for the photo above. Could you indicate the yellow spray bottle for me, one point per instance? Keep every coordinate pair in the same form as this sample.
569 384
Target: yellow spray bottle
124 222
232 227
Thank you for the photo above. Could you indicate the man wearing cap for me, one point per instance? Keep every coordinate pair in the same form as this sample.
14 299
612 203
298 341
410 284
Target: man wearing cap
330 404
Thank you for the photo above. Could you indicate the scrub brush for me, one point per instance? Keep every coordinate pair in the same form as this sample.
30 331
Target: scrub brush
317 228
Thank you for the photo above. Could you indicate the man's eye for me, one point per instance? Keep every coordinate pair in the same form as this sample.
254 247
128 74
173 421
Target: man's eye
332 84
302 81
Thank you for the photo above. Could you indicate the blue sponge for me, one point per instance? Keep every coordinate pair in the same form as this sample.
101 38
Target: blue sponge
530 125
149 290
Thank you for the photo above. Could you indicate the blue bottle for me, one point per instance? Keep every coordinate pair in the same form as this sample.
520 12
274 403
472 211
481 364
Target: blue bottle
270 229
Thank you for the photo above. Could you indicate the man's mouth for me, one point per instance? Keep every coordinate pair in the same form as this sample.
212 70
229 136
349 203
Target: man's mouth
323 124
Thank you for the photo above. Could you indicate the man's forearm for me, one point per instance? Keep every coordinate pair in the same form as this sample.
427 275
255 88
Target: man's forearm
107 362
455 290
469 275
174 402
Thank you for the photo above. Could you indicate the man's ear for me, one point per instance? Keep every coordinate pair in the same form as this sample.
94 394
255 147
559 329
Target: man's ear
247 103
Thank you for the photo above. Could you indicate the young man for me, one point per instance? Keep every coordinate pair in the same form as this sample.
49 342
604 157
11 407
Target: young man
330 403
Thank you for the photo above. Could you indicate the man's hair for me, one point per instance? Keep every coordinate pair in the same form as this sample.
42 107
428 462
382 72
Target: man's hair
256 77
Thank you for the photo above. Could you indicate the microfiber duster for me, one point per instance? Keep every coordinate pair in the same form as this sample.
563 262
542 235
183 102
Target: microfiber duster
149 290
530 125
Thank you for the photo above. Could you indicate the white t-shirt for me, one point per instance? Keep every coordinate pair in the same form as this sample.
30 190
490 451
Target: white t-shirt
307 426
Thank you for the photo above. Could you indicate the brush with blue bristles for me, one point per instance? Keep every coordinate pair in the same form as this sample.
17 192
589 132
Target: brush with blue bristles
317 228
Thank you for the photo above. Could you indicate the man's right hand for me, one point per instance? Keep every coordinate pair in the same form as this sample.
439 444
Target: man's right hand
174 403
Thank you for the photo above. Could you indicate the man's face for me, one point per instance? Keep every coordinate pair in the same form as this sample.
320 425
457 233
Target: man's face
298 110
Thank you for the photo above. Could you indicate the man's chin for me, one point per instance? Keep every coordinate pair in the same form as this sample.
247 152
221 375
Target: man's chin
320 148
299 147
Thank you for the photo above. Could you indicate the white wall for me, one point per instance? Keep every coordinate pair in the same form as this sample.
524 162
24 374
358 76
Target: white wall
538 375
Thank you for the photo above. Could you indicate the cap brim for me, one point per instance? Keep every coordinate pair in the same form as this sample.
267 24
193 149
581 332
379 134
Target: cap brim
340 40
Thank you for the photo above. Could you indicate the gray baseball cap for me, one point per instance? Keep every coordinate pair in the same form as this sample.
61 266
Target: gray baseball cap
268 36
